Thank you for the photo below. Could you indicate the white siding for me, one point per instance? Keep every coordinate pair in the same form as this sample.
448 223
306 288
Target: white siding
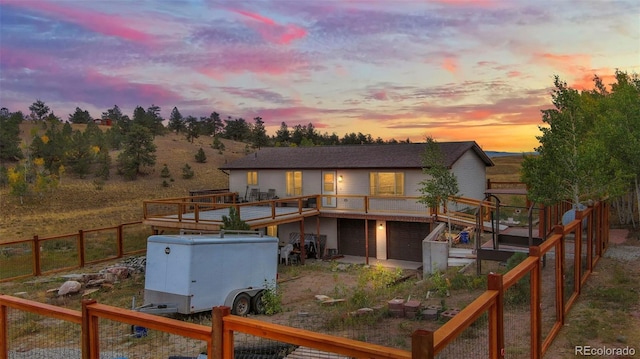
472 176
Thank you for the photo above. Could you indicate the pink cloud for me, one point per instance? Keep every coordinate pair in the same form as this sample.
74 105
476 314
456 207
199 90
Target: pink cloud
272 31
21 59
468 3
249 59
107 24
585 81
380 95
127 90
571 64
450 64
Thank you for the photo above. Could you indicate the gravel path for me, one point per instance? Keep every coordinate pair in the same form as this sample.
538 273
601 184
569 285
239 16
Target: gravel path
622 252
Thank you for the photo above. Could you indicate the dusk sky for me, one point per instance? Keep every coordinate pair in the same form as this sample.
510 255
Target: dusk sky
454 70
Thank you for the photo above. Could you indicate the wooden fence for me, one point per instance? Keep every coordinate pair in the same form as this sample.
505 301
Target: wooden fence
576 248
44 255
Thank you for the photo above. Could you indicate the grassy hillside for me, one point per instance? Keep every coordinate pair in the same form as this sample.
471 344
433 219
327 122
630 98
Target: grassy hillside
85 203
506 169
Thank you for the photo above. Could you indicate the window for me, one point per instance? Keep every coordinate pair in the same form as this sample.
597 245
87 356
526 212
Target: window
252 178
294 183
386 183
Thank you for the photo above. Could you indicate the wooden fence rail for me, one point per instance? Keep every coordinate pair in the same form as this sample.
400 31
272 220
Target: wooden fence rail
38 251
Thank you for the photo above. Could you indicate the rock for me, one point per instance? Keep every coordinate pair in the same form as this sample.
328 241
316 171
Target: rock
95 282
362 311
120 272
76 277
69 287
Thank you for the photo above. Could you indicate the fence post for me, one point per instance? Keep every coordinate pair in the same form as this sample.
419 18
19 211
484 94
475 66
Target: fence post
577 255
81 248
4 334
217 330
36 256
558 229
90 341
120 241
422 344
496 317
536 312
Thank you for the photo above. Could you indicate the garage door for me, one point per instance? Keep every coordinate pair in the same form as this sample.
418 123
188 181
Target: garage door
404 240
351 239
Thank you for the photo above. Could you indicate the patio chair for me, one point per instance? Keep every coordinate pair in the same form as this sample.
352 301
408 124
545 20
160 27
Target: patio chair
271 193
254 194
285 253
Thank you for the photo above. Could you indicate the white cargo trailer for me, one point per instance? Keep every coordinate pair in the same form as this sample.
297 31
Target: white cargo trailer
194 273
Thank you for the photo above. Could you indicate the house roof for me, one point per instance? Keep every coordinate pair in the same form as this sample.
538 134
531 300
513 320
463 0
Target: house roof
402 155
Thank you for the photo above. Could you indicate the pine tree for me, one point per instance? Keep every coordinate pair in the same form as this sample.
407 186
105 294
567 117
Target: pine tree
233 221
201 157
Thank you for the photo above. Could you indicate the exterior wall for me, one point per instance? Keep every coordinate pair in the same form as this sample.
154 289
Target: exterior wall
356 182
381 240
472 175
469 169
274 179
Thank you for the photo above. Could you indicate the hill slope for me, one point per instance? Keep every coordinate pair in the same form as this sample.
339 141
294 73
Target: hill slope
86 203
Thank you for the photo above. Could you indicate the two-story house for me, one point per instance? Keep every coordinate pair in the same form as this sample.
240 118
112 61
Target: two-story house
368 193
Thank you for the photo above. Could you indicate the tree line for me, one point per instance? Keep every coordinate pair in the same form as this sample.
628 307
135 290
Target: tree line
54 147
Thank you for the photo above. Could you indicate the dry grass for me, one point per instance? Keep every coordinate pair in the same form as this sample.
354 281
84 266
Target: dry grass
506 169
87 203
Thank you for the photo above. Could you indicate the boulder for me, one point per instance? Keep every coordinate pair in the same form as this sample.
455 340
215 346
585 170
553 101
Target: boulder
69 287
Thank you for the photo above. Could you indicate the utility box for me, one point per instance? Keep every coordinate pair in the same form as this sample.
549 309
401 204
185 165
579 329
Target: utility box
194 273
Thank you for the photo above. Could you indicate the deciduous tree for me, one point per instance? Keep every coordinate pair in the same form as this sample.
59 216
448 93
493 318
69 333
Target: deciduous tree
441 183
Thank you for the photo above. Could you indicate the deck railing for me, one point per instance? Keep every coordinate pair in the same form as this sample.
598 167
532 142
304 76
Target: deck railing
577 247
190 211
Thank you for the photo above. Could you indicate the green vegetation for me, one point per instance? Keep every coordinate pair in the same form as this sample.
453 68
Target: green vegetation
200 156
441 183
272 299
233 221
520 292
589 146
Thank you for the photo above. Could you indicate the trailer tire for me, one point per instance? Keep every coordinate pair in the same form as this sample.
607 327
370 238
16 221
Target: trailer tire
241 304
257 303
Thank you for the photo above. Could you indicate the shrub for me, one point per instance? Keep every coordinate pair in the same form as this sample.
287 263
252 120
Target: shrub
201 157
165 173
187 172
272 299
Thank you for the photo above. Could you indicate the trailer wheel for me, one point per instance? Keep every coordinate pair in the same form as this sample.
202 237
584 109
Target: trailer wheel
257 303
241 305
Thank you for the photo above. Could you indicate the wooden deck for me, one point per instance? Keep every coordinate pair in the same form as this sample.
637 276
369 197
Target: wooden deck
205 213
211 220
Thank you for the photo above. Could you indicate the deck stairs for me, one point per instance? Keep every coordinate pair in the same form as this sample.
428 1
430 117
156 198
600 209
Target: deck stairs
460 257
